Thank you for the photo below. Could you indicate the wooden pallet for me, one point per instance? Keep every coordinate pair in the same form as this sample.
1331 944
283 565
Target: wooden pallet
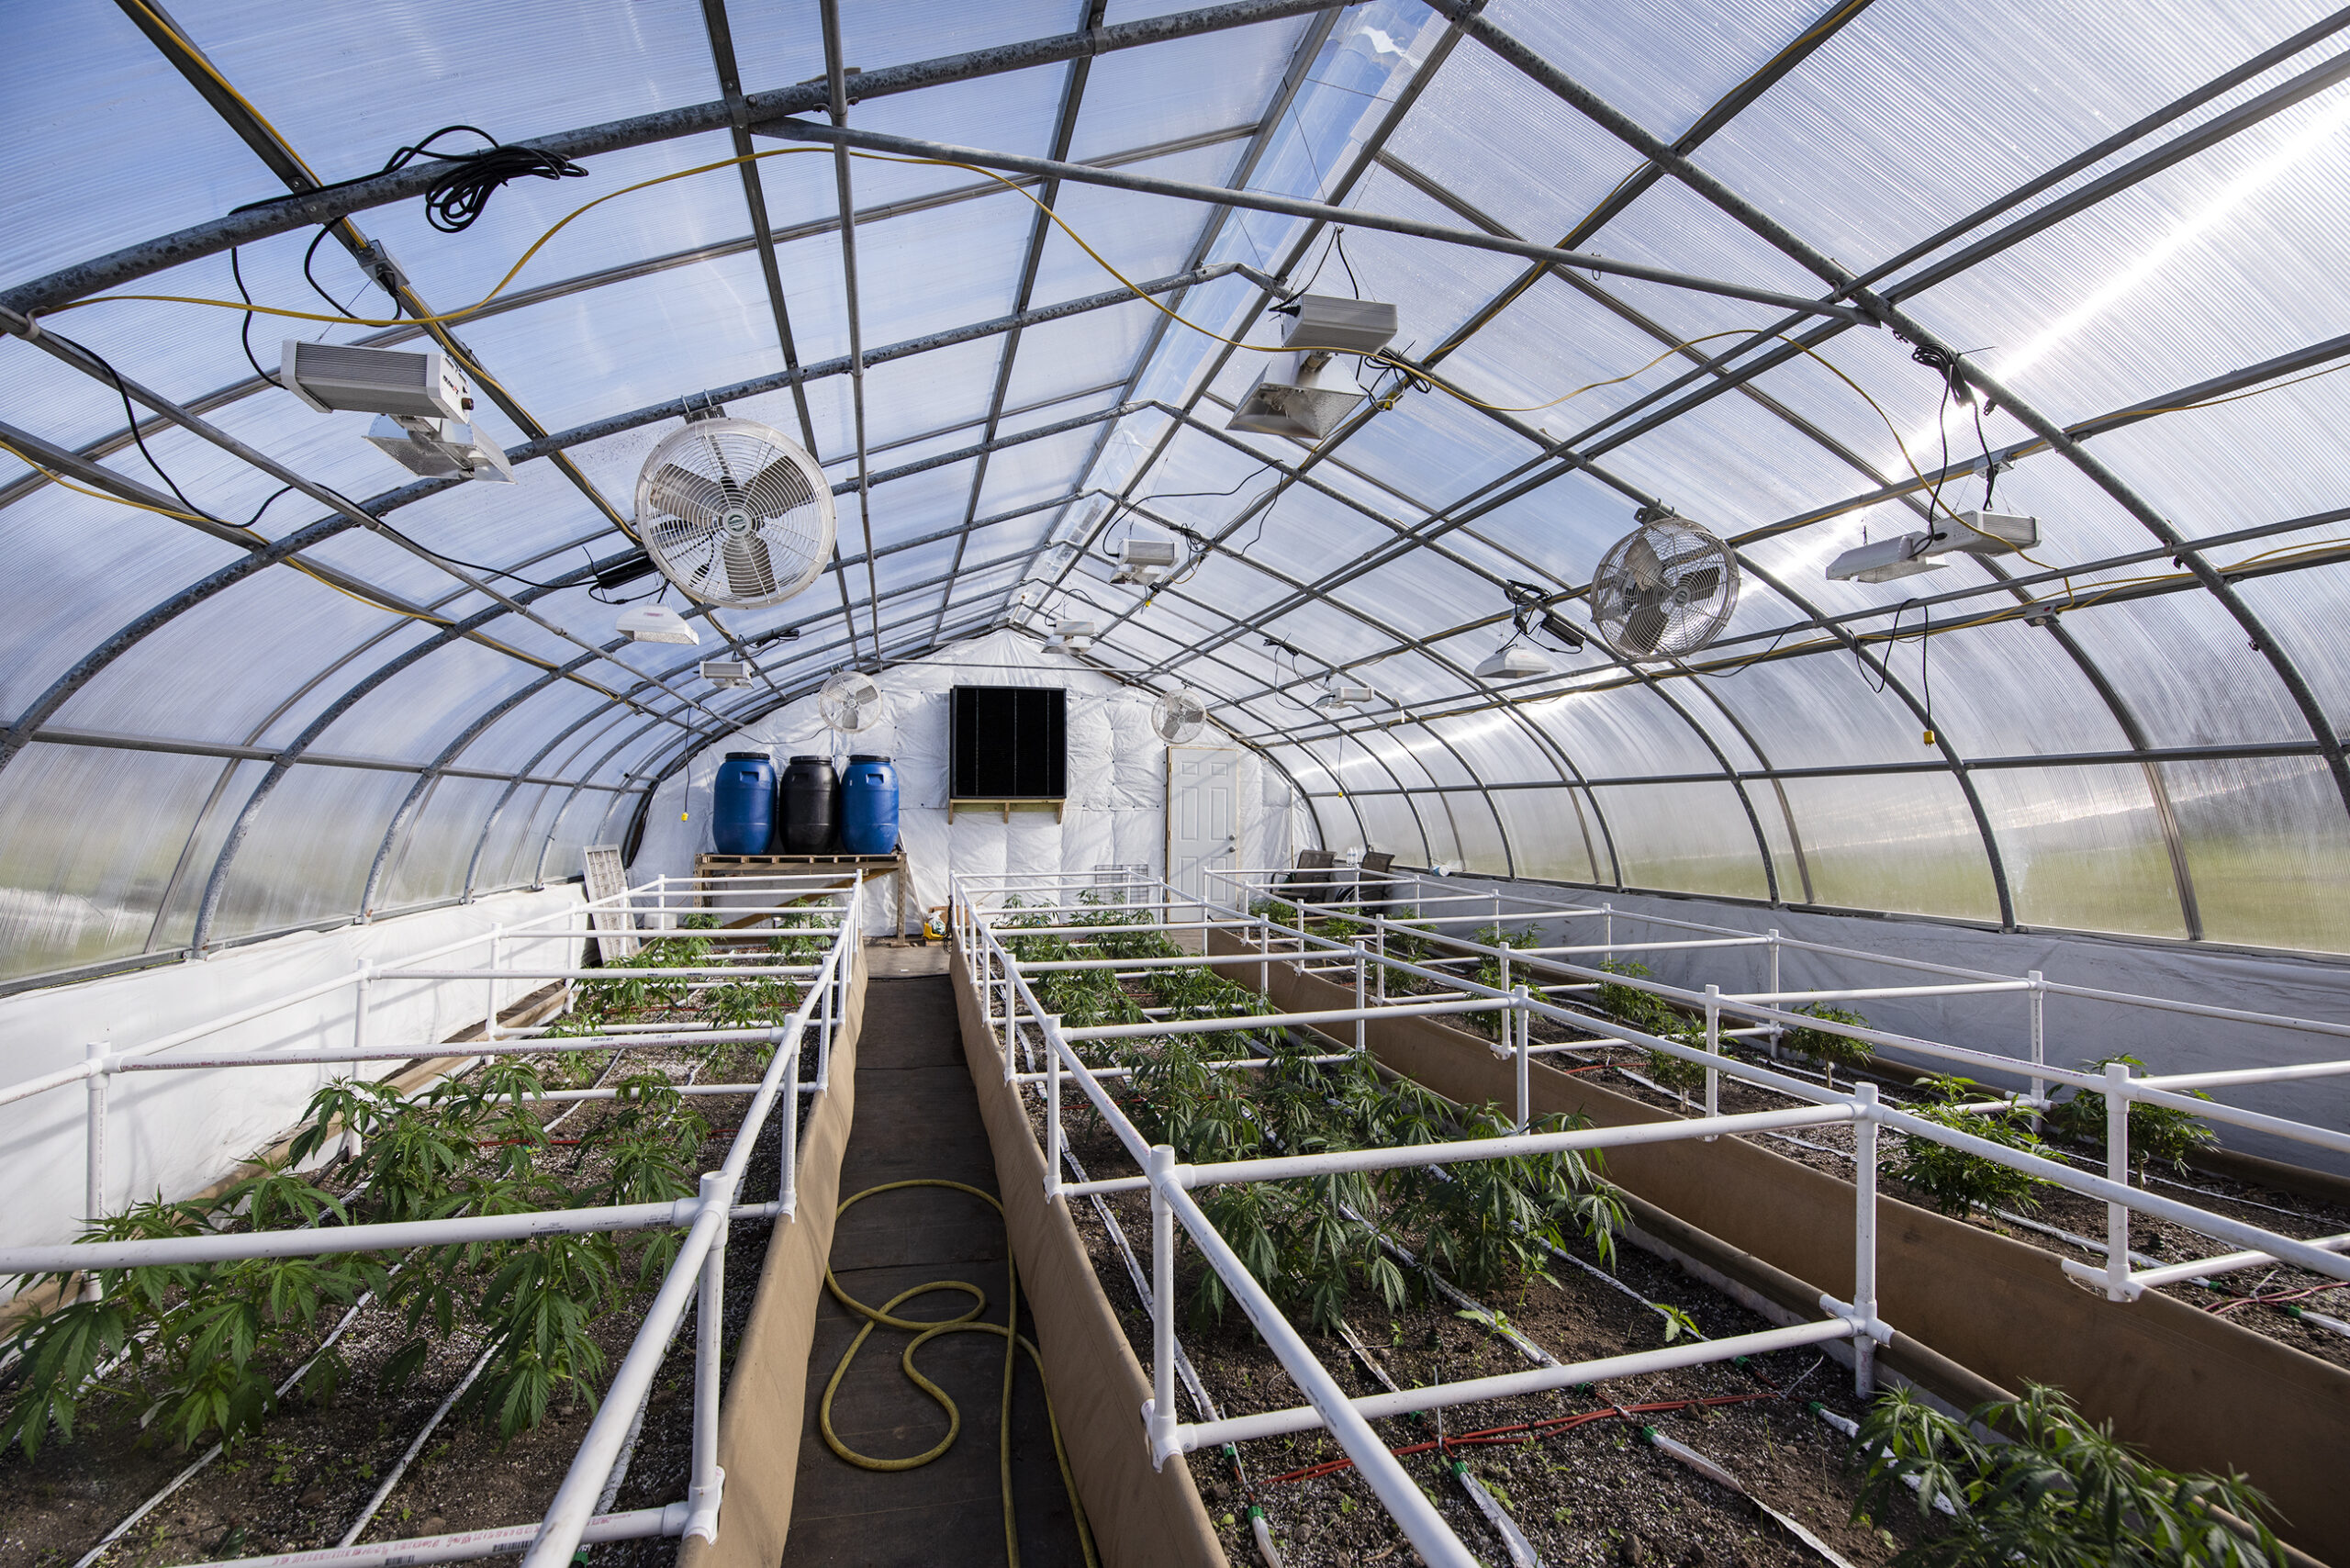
894 866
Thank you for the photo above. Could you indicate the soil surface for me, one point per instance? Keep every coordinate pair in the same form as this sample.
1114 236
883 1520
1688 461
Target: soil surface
1596 1494
2080 1220
309 1474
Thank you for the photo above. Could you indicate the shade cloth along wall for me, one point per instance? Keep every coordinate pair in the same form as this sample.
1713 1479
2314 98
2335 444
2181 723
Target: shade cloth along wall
1116 811
177 1132
2076 1030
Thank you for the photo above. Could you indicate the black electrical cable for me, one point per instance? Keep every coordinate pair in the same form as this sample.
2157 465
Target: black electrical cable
245 333
1990 466
1338 238
130 418
455 200
1308 284
281 489
311 254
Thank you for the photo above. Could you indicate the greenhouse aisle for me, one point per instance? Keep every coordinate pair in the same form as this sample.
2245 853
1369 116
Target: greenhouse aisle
917 1117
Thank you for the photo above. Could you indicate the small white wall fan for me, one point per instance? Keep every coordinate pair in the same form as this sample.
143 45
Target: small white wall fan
850 701
733 514
1178 716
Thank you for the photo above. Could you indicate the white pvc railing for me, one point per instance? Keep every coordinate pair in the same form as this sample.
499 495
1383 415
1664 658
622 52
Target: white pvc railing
1023 1029
699 1268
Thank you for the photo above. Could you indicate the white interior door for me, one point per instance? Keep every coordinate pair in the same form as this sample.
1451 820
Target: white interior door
1202 821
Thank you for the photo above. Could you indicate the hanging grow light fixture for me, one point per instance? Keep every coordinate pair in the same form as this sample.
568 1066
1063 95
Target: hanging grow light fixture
1974 532
657 623
1304 394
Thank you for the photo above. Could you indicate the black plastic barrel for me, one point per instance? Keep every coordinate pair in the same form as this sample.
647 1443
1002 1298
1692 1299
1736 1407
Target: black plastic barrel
744 819
810 798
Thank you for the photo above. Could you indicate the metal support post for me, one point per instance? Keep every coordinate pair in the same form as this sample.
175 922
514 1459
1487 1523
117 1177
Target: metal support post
1772 986
1520 1021
787 1179
710 1321
1052 1114
363 996
1712 1048
1379 940
497 954
93 1184
1607 928
1265 947
1864 1240
1362 987
1158 1415
2038 998
2117 1169
833 986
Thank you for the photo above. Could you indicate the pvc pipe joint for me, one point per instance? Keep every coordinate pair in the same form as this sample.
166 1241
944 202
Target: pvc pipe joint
701 1510
1868 1323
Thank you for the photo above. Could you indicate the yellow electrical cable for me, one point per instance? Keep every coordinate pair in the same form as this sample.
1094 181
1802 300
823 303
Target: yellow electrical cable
1382 358
437 317
926 1330
196 58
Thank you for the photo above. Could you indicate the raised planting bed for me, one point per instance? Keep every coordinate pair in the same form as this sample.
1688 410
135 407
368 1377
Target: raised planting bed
440 1390
1525 1265
2194 1388
2173 1152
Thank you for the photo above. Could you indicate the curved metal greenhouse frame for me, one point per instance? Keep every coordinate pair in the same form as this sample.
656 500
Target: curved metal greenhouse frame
1773 264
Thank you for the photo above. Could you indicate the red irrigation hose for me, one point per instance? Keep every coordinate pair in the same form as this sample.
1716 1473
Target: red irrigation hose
1531 1430
2223 1307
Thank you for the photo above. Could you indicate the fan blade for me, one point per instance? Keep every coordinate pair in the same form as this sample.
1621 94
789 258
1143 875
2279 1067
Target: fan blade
750 573
1642 631
1700 585
1640 563
779 489
682 493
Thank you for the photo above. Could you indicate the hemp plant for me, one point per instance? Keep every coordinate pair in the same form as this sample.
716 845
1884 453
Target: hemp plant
2159 1135
1955 1179
1829 1050
2058 1490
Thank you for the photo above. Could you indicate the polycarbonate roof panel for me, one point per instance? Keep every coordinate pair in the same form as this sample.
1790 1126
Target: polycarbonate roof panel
2193 273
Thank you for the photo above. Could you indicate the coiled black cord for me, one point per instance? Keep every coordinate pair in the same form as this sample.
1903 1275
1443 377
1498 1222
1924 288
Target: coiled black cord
458 196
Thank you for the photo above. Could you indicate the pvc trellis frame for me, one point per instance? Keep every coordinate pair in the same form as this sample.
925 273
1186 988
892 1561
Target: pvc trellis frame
979 902
699 1268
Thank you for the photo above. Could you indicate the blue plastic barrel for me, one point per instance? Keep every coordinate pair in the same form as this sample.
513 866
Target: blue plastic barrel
742 808
869 806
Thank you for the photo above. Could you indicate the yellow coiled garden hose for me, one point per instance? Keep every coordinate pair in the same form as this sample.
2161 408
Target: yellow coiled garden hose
924 1332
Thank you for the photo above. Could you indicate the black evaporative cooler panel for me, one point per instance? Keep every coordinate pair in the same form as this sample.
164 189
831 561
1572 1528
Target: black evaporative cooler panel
1010 743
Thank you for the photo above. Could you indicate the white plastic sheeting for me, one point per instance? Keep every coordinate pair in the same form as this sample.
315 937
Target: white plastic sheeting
1116 811
176 1133
2077 1031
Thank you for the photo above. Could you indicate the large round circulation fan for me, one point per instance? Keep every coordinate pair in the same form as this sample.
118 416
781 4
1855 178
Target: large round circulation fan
849 702
735 513
1178 716
1667 589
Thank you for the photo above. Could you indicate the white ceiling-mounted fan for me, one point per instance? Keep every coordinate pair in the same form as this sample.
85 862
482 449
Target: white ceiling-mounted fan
735 513
1666 589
